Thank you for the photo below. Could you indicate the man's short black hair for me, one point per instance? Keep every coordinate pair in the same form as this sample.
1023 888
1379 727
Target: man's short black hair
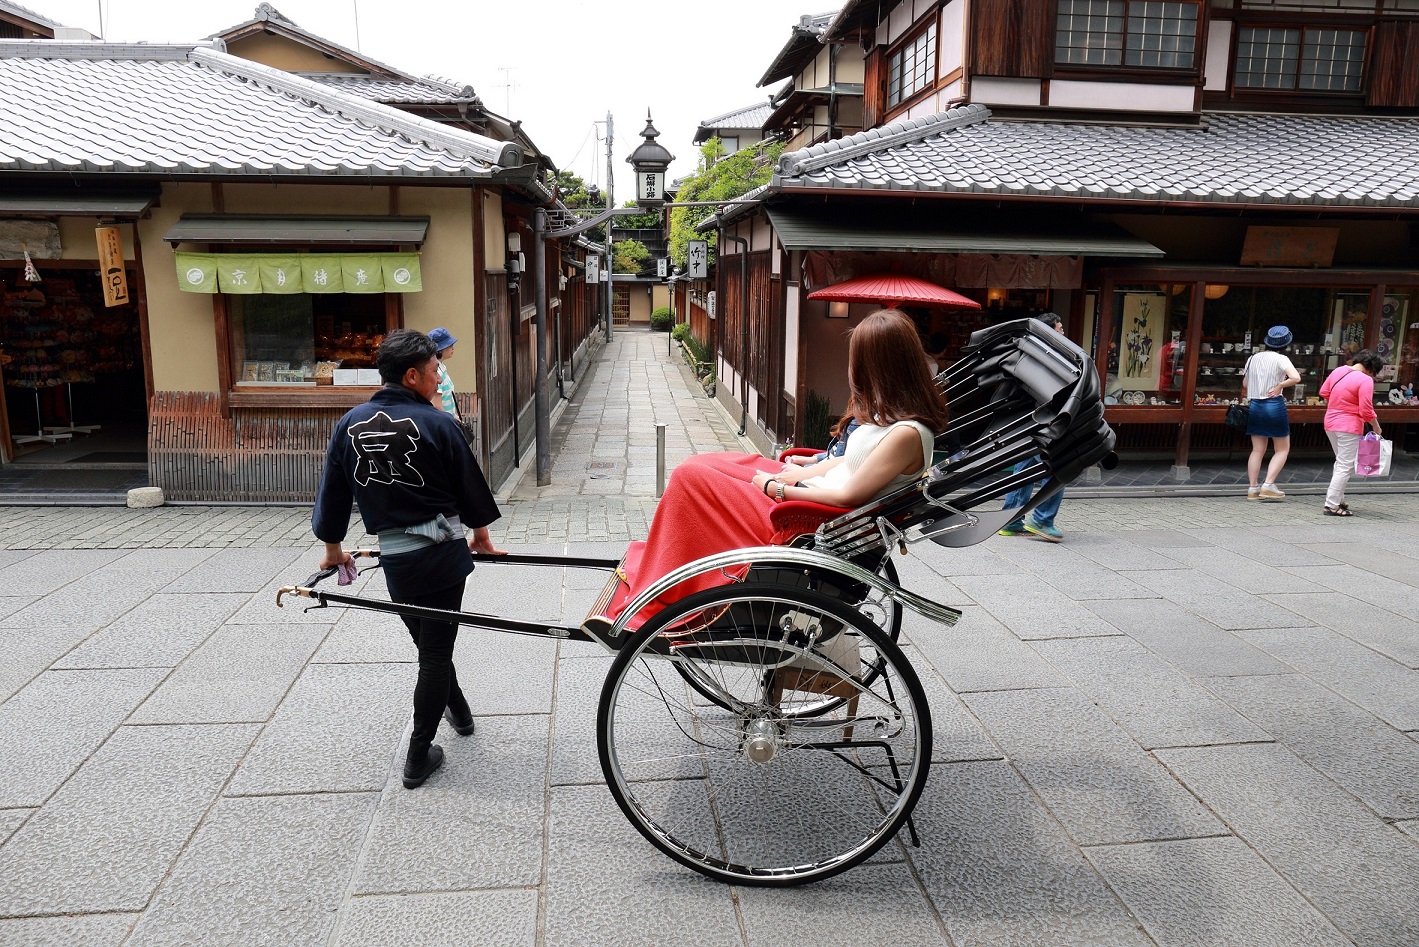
400 351
1051 319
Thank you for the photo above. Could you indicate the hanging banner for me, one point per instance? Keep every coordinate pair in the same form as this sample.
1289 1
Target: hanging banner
197 272
237 274
111 269
322 273
280 275
284 273
363 274
401 273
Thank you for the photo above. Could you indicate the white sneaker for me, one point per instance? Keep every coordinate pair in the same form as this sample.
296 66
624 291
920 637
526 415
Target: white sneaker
1271 492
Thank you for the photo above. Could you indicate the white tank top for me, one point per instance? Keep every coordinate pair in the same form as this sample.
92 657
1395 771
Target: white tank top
862 442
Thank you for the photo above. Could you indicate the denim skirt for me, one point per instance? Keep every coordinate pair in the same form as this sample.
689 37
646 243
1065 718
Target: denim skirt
1267 417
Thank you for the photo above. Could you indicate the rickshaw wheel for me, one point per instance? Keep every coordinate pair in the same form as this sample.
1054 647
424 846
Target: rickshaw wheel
768 783
882 610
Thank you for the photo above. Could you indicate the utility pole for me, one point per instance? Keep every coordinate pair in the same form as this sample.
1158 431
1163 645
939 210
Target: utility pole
610 204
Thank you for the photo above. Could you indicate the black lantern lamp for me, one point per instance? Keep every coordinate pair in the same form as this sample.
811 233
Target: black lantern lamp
650 161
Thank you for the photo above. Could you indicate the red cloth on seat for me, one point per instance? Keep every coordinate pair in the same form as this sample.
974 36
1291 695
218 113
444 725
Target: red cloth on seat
710 505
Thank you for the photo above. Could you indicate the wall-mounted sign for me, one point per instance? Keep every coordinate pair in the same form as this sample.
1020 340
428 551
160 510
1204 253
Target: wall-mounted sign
662 267
1289 246
593 269
111 270
697 259
709 304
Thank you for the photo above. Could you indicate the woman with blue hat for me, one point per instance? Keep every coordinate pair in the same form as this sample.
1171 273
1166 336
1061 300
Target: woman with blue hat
1265 376
444 342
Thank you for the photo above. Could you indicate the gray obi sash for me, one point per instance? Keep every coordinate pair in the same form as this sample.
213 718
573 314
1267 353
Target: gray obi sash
440 529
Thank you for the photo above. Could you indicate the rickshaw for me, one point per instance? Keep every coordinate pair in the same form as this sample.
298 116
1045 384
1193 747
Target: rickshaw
769 730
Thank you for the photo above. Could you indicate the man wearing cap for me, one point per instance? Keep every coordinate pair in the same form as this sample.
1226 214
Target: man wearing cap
418 487
444 341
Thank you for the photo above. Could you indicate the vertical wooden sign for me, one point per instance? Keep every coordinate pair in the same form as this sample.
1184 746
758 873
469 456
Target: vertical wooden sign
111 269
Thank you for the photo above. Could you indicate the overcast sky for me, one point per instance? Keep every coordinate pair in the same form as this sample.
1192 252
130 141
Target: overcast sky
569 62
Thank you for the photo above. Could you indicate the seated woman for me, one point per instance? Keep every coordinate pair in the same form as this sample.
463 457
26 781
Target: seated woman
718 502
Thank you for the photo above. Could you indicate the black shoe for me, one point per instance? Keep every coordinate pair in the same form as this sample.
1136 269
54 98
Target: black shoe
414 776
463 727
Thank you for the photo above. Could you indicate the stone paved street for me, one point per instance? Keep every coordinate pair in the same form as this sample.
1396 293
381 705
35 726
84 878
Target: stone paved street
1194 722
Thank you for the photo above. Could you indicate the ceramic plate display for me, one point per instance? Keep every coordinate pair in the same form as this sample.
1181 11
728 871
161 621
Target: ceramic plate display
1387 329
1384 348
1396 396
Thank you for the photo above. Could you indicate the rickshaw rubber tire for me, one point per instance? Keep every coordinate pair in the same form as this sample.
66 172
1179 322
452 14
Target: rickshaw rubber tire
893 655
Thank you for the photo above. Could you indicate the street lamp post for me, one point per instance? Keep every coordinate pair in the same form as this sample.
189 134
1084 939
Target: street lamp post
649 161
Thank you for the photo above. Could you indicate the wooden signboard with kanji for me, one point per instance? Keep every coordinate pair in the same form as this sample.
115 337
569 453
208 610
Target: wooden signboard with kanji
1289 246
111 269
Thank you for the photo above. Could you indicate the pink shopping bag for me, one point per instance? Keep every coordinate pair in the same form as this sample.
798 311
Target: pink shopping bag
1367 461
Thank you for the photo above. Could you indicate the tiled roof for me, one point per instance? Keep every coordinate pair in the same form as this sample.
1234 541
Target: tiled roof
804 42
396 91
175 110
750 116
16 10
271 20
1231 158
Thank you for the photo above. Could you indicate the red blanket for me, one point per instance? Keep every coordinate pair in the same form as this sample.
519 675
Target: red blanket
710 505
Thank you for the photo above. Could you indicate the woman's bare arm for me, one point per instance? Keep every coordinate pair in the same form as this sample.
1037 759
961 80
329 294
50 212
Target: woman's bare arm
899 452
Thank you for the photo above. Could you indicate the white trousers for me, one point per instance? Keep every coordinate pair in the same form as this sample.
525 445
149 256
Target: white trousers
1347 448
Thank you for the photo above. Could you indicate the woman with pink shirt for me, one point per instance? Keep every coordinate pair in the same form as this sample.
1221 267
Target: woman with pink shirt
1351 405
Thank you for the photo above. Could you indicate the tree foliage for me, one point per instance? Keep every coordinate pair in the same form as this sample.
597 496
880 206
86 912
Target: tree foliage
629 255
574 193
720 177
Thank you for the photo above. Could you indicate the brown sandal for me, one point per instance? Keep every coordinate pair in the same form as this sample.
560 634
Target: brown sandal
1341 510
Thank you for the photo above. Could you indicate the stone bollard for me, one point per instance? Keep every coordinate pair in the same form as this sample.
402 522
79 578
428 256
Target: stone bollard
145 498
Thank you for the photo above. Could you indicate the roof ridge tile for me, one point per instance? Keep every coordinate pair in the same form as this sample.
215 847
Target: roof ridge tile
814 157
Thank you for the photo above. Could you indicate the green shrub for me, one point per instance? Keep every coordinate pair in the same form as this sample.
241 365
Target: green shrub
817 421
680 331
661 318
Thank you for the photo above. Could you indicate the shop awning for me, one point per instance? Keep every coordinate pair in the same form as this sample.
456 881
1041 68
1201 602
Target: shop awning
77 204
800 231
304 231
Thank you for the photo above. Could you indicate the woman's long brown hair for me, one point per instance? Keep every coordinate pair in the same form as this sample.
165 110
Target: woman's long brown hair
887 375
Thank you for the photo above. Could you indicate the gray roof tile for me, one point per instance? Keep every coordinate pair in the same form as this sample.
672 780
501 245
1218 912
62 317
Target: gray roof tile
194 110
1231 157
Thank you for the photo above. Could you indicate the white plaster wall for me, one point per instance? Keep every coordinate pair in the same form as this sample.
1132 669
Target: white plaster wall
927 106
1131 96
790 341
993 90
850 63
762 237
953 37
1219 50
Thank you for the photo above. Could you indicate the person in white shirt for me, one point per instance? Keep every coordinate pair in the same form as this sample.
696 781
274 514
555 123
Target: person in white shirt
1265 376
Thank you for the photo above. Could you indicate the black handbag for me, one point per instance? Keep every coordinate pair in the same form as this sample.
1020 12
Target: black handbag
1237 415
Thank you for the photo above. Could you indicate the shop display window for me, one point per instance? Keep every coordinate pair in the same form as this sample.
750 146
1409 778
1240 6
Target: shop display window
1398 345
1148 350
305 339
1325 325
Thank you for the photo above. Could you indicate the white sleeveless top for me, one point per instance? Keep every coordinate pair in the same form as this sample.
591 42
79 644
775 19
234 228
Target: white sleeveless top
862 442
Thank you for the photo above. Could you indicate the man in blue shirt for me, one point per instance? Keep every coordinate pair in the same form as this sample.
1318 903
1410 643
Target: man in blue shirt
418 487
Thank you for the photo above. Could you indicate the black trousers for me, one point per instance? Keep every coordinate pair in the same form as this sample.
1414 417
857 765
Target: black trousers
437 685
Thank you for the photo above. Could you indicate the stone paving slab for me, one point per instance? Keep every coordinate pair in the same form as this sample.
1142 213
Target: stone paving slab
485 806
1351 866
1215 891
1000 871
1372 624
1087 771
11 820
1189 643
29 651
1148 697
336 731
265 871
253 668
979 653
600 882
87 930
50 727
485 918
1385 688
1224 605
1374 762
1032 610
876 904
107 838
160 631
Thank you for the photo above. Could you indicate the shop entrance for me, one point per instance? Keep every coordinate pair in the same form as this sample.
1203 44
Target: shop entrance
74 396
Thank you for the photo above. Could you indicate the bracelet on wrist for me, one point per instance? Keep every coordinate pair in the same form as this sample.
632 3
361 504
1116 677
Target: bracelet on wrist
766 485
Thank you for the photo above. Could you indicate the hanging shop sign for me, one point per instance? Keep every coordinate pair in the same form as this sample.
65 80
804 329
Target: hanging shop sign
112 272
281 273
1290 246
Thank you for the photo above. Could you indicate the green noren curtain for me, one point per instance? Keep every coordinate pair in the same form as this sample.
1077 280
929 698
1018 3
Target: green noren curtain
281 273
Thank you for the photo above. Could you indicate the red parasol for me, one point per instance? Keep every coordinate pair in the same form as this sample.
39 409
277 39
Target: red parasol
893 289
